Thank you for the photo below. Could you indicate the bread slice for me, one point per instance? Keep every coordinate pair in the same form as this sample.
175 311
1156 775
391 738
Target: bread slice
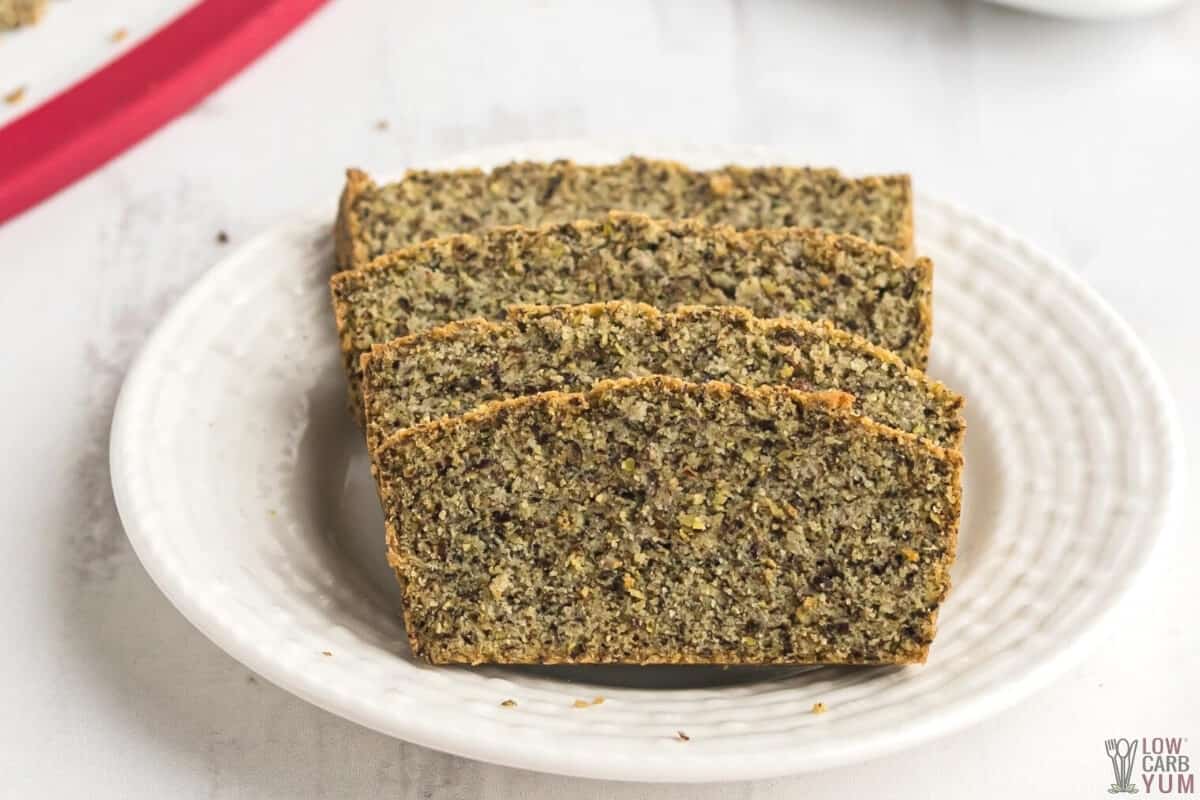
651 520
788 272
453 368
15 13
373 220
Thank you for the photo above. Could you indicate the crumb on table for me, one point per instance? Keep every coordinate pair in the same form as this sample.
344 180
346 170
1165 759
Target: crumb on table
819 708
509 703
595 701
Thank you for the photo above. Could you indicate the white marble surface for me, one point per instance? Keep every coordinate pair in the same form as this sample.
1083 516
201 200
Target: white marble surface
72 40
1081 137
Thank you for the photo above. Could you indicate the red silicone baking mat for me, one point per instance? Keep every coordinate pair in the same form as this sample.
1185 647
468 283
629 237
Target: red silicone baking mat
116 106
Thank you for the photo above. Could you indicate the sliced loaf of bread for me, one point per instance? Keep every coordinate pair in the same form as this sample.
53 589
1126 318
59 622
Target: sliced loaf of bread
789 272
373 219
450 369
652 520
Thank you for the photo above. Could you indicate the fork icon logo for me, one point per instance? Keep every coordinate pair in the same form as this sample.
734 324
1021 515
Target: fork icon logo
1121 752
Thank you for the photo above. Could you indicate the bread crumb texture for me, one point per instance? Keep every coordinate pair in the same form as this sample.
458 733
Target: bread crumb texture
375 219
653 520
859 287
15 13
451 369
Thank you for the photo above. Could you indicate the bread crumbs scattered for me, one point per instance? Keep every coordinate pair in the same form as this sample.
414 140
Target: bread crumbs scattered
510 703
15 96
683 737
326 653
222 237
595 701
819 708
118 35
382 125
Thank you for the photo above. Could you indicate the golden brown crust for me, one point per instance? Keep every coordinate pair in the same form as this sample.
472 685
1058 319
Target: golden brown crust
341 325
348 249
925 266
396 563
906 245
448 331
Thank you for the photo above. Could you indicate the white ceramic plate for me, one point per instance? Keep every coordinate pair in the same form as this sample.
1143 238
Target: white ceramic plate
1092 9
244 488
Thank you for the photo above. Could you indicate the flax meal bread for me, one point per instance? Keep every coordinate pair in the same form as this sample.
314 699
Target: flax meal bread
651 520
448 370
15 13
373 220
788 272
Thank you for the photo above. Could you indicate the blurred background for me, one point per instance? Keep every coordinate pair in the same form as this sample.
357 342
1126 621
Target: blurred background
1080 135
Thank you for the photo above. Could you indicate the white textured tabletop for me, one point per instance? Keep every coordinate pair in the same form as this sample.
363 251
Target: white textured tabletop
1081 137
